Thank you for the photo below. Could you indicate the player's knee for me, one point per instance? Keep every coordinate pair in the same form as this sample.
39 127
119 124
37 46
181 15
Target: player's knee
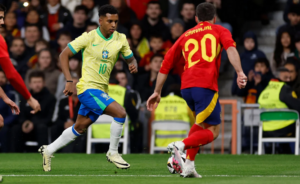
81 129
1 122
121 113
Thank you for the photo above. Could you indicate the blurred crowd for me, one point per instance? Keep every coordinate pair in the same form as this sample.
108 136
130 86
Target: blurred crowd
36 32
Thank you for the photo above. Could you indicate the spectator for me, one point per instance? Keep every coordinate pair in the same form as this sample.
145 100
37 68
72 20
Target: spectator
177 29
258 80
139 43
34 126
39 45
293 66
288 5
9 118
248 58
188 14
294 19
63 39
79 22
11 26
70 4
91 26
47 65
20 10
18 56
126 14
284 48
170 10
121 77
93 10
156 43
32 34
55 17
139 7
67 114
33 18
152 21
36 4
297 45
146 82
278 95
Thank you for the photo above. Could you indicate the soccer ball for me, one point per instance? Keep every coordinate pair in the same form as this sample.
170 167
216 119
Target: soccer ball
170 165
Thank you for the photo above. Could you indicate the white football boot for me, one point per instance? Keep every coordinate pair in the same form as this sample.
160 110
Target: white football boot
46 158
182 167
117 160
178 144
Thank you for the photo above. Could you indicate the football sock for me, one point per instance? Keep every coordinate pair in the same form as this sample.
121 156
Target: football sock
198 138
190 163
191 153
116 128
69 135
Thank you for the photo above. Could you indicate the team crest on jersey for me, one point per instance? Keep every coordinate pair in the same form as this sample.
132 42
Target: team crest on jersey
105 54
104 95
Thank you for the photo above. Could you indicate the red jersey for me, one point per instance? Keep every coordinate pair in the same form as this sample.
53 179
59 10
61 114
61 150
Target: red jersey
198 53
11 74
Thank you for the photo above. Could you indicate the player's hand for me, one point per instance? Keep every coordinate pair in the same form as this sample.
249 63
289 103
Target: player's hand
68 89
241 80
14 108
153 101
34 104
132 68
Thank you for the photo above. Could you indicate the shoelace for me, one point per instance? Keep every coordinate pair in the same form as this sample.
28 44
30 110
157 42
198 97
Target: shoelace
49 160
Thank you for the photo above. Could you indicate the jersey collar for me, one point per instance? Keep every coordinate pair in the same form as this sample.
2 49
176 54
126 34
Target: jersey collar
101 35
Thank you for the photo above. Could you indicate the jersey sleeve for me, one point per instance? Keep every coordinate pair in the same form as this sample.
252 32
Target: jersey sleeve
125 50
79 43
226 38
173 55
3 48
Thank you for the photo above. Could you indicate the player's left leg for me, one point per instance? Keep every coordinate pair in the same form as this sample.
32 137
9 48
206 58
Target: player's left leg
118 112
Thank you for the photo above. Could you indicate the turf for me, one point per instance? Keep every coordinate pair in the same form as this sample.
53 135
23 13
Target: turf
82 168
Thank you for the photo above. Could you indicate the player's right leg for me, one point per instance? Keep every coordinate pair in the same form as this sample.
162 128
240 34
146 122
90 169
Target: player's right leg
68 135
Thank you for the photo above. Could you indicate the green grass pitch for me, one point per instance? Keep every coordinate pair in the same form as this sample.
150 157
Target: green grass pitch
84 169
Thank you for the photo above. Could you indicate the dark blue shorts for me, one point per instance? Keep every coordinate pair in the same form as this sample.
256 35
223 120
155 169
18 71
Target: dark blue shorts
93 103
205 103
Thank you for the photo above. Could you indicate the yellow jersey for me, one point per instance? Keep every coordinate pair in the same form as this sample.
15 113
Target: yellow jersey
99 55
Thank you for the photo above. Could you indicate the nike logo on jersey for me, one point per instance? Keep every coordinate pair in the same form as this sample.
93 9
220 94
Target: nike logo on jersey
95 45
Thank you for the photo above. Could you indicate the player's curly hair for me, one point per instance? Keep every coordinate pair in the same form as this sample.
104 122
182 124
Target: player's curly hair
205 11
103 10
2 7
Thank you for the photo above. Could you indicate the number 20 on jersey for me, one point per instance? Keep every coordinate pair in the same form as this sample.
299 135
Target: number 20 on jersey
204 49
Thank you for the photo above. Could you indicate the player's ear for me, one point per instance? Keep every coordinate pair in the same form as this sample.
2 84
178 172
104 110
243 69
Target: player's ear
100 21
215 19
197 20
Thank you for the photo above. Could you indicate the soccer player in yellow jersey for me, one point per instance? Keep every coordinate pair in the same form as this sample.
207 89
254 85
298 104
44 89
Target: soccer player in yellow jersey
100 50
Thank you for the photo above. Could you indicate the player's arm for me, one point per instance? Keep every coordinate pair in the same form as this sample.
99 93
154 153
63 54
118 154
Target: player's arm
73 48
64 61
233 56
132 63
234 59
173 55
14 77
14 108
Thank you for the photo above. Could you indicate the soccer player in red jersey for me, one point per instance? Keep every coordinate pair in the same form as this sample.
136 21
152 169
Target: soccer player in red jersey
198 53
13 77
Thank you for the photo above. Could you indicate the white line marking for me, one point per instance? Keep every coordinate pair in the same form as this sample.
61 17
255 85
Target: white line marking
72 175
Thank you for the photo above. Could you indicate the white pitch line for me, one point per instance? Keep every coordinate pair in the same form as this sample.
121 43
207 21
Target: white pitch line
67 175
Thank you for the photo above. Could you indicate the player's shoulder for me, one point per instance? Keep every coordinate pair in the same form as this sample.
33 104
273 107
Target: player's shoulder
219 28
119 36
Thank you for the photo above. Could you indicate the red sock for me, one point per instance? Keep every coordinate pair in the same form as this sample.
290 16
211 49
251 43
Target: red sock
198 138
191 153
